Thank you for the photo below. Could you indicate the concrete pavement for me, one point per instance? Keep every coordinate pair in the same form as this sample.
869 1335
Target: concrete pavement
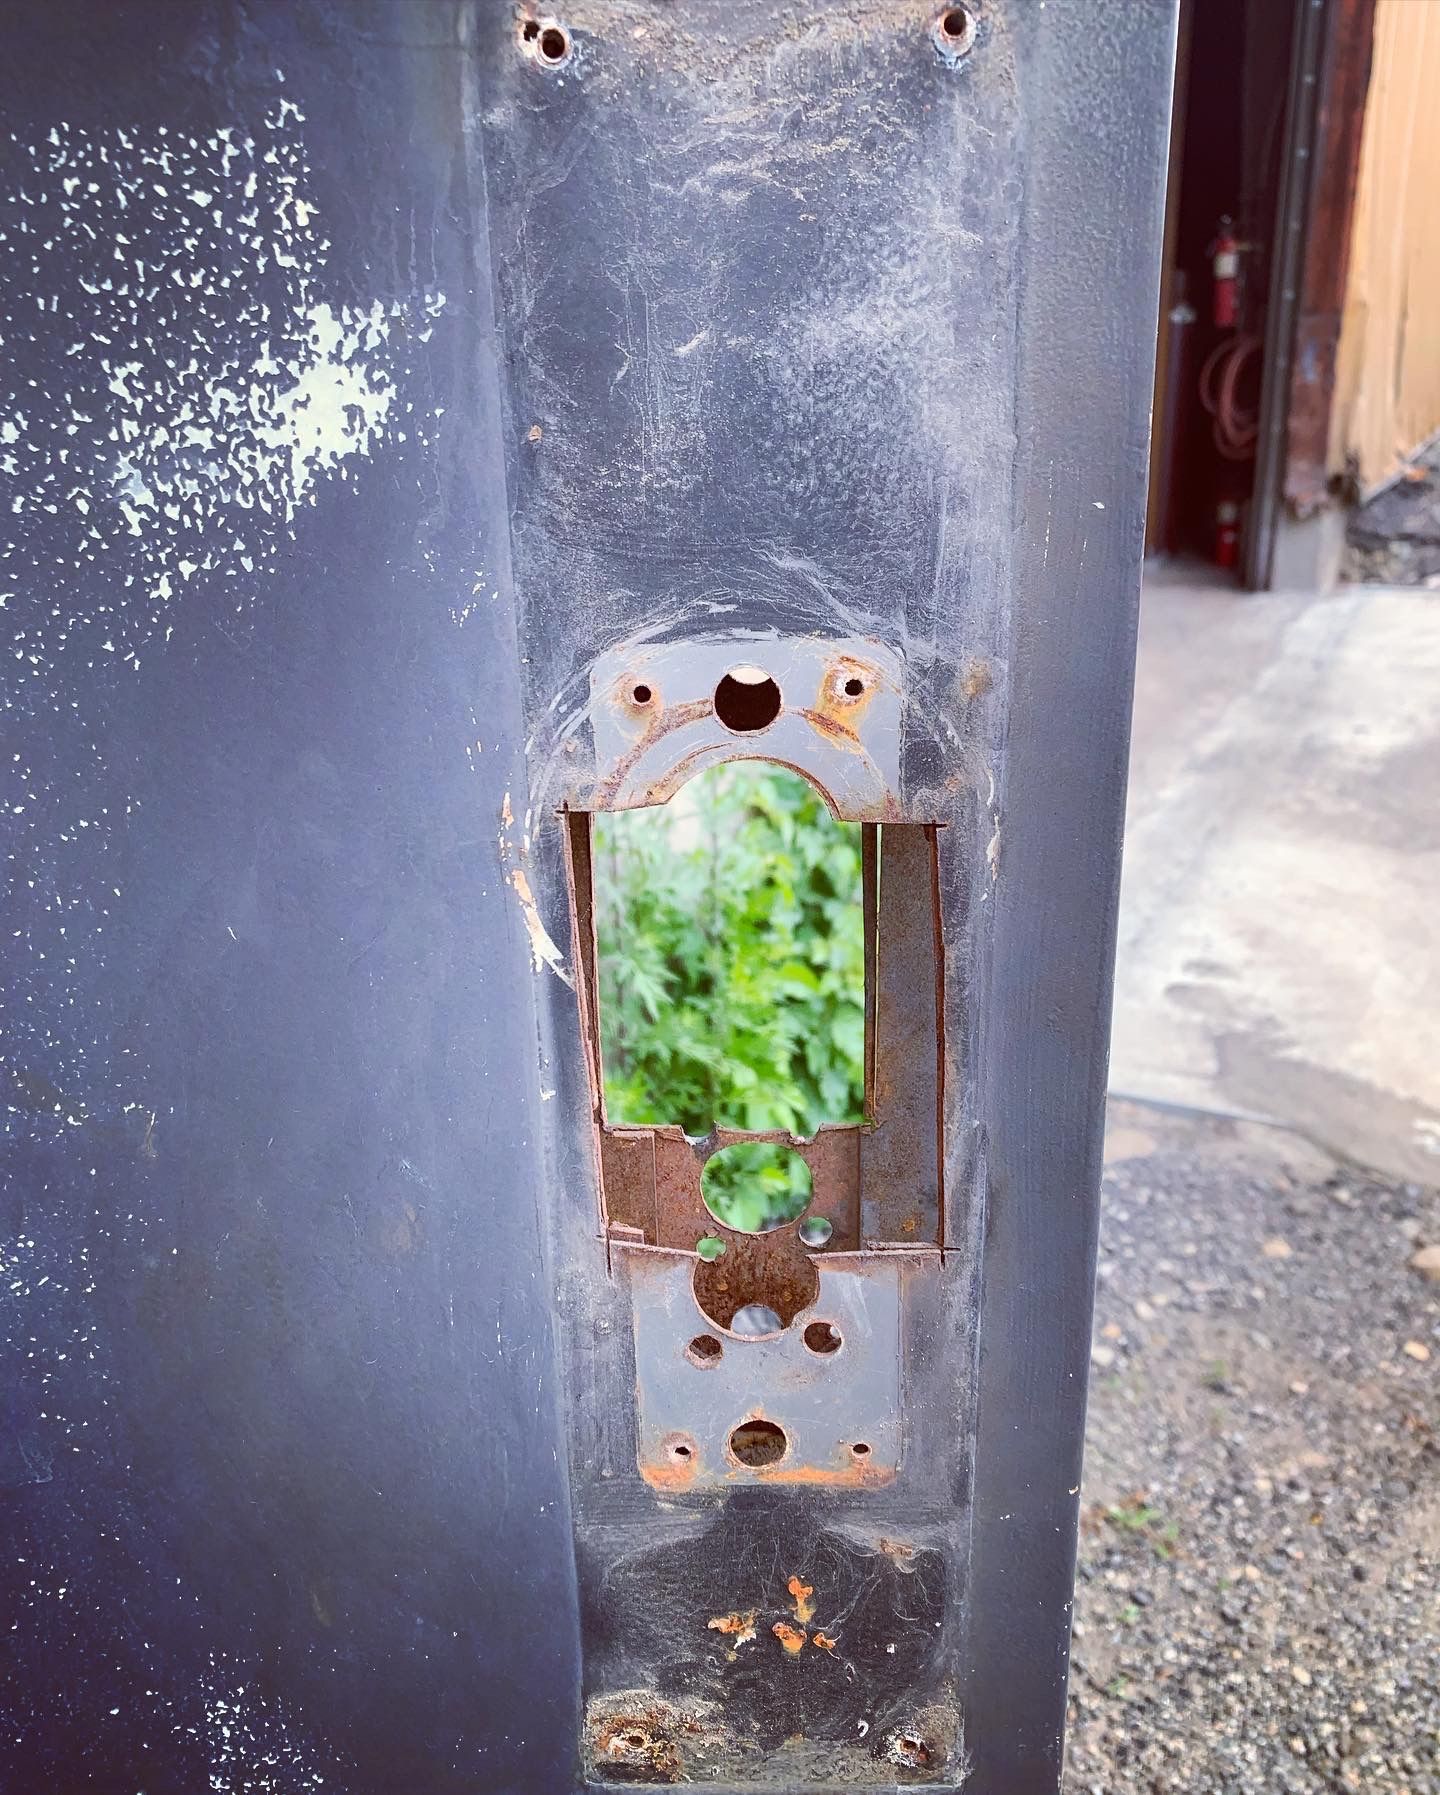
1279 952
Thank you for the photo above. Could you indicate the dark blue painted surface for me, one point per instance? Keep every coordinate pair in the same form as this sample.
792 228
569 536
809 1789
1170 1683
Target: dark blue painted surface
799 328
281 1463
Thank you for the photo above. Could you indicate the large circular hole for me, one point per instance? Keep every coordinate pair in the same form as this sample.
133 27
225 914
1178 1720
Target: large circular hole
954 31
554 44
754 1186
705 1351
822 1337
759 1287
756 1443
747 699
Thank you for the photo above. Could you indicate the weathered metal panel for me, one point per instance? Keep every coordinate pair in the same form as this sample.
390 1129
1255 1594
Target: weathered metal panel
373 383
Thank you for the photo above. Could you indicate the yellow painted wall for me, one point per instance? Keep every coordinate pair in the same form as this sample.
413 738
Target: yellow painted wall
1387 390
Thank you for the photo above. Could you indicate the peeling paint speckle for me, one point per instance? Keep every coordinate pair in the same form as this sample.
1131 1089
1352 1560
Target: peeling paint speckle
160 443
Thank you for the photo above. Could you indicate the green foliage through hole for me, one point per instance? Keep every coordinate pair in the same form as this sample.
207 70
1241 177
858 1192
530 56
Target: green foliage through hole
732 965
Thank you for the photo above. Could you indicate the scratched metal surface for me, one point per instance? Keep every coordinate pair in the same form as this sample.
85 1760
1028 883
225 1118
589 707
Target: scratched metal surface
366 383
643 754
812 332
828 1400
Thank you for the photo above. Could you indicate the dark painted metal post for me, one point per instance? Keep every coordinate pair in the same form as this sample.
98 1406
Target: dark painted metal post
384 383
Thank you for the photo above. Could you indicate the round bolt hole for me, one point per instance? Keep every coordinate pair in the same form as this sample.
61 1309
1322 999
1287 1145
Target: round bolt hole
861 1449
954 31
757 1443
710 1247
854 687
642 694
754 1321
910 1750
704 1350
747 699
554 44
822 1337
815 1231
753 1186
679 1449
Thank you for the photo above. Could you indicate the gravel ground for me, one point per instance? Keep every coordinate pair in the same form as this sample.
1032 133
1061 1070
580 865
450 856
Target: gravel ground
1257 1605
1395 539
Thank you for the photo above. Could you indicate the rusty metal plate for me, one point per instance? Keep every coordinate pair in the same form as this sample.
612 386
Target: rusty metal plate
839 720
840 1410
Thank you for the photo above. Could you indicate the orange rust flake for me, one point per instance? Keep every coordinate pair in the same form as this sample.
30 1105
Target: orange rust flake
740 1627
790 1637
823 1641
859 1475
845 694
802 1592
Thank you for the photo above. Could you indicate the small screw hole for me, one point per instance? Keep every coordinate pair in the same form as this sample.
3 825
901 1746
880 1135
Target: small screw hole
854 687
642 694
861 1449
530 30
679 1449
822 1337
815 1231
554 43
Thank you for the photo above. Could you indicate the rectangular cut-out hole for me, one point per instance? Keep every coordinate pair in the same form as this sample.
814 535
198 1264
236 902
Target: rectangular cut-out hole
754 967
730 937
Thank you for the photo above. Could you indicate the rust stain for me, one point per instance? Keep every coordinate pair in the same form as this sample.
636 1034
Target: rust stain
847 691
740 1627
843 1477
790 1637
635 1736
823 1641
801 1594
665 724
832 728
633 1744
670 1475
645 710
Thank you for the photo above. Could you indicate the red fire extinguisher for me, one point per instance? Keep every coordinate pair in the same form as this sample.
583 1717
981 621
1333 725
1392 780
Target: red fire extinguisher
1225 269
1227 533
